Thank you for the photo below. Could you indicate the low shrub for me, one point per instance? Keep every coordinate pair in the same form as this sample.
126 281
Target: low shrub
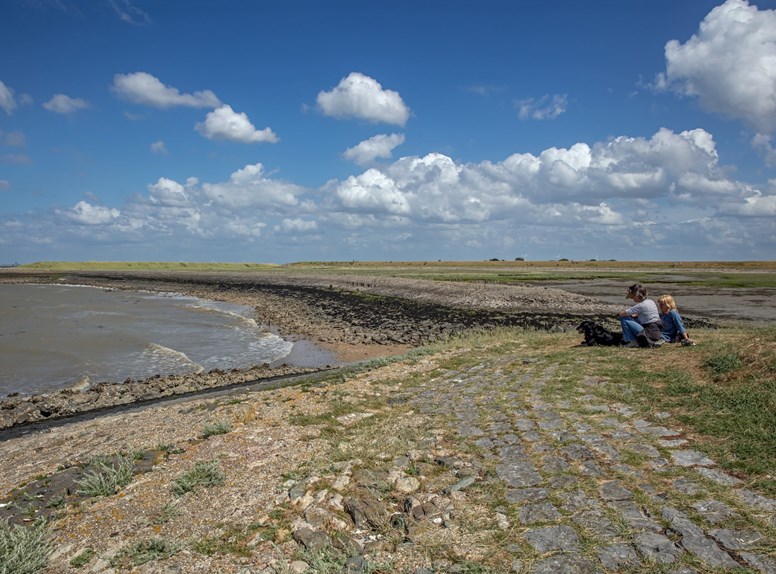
24 549
144 551
108 477
216 428
205 474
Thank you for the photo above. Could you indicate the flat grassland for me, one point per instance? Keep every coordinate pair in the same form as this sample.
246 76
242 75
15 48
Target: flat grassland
749 274
717 290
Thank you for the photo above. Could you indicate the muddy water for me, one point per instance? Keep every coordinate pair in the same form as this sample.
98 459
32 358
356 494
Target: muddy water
59 335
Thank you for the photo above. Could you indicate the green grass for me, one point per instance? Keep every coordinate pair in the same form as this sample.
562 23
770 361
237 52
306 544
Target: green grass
143 552
329 560
204 474
337 408
167 513
721 364
24 549
750 274
722 391
107 477
233 540
216 428
146 266
83 558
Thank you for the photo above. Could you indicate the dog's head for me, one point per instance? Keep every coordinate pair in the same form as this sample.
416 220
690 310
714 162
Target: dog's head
587 328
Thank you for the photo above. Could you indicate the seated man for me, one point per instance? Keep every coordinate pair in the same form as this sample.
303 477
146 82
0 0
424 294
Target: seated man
641 324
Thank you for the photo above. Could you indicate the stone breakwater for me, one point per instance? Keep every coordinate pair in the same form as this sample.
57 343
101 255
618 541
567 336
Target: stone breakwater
356 317
17 410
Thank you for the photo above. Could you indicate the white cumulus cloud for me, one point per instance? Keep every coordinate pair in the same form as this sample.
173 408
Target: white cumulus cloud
63 104
361 97
729 65
143 88
606 183
379 146
168 192
88 214
224 123
628 196
373 191
249 188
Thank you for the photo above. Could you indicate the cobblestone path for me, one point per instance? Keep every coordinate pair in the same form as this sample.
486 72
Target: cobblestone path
591 486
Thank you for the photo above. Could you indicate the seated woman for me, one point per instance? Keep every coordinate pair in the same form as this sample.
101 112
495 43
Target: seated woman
641 324
673 326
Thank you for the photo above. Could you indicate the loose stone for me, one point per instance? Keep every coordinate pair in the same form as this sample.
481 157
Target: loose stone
525 494
461 484
690 458
613 490
564 563
718 476
714 511
657 547
542 512
553 538
694 540
518 474
618 557
736 539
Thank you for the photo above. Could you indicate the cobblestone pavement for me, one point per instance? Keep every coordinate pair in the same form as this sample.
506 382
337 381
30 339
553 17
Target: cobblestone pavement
591 486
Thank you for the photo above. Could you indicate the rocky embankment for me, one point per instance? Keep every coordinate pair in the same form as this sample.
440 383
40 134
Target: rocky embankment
17 410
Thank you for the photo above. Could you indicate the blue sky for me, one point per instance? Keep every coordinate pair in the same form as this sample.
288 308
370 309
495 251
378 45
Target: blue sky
278 131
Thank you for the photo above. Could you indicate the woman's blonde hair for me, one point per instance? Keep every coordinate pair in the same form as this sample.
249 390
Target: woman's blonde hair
667 301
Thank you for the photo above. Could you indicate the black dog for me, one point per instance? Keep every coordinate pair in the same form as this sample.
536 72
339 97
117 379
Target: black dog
597 335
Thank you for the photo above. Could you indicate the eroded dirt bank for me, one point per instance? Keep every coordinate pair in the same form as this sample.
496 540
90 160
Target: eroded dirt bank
350 317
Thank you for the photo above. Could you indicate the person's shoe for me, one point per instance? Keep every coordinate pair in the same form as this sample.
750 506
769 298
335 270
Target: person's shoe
631 344
657 343
688 343
642 341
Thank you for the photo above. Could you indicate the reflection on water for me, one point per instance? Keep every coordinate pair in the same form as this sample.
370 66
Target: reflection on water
59 335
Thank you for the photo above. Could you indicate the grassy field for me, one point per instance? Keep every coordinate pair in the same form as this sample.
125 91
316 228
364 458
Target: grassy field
146 266
741 274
